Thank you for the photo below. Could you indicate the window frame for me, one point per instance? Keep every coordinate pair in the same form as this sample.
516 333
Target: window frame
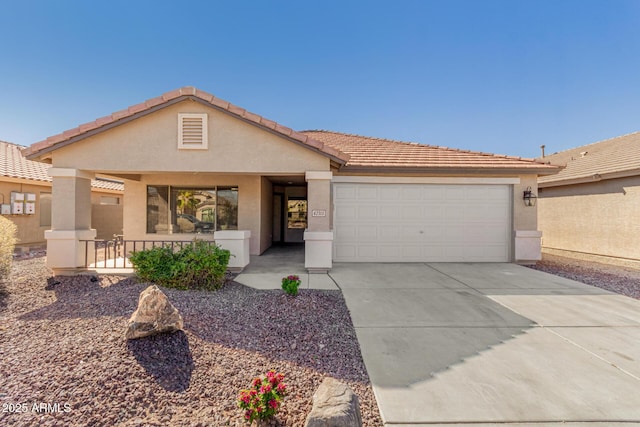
171 213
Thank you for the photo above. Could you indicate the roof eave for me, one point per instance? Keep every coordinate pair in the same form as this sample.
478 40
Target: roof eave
545 170
587 179
34 153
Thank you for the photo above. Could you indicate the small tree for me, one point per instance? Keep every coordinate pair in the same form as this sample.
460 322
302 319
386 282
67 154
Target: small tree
7 245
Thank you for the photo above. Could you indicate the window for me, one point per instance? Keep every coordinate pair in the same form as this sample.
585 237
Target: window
191 210
45 209
192 131
109 200
296 212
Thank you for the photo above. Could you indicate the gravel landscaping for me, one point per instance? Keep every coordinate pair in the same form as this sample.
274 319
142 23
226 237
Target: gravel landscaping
63 350
621 280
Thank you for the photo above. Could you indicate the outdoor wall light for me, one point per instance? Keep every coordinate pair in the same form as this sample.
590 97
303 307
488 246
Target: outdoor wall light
529 198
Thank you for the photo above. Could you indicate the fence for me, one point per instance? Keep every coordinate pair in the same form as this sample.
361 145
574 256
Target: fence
100 253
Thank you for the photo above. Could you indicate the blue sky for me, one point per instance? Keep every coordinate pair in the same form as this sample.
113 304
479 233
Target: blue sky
495 76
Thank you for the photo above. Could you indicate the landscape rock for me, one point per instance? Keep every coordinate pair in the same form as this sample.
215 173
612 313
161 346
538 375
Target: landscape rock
154 315
334 405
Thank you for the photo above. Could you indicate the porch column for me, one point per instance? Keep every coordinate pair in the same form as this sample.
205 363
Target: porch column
70 220
527 238
318 237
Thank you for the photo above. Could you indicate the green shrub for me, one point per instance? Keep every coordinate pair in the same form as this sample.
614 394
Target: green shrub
200 265
290 284
7 245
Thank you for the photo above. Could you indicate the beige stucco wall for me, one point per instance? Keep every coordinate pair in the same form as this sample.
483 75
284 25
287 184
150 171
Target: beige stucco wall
31 232
525 217
107 219
598 218
149 144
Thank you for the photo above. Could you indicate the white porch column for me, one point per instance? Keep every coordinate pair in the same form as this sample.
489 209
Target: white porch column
318 237
526 236
70 220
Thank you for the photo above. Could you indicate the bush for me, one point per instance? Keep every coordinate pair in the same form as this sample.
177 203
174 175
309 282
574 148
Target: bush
290 284
200 265
7 245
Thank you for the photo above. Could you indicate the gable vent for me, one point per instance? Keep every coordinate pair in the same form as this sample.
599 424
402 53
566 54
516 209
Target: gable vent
192 131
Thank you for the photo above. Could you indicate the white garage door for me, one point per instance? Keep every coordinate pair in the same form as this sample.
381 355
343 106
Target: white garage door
421 222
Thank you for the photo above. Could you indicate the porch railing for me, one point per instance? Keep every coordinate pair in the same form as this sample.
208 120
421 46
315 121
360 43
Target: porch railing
115 253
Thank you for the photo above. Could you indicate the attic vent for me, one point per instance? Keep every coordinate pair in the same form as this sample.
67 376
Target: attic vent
192 131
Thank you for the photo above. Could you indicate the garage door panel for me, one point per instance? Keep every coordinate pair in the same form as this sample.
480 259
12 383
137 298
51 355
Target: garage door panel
390 213
346 213
415 213
390 193
367 192
367 212
422 222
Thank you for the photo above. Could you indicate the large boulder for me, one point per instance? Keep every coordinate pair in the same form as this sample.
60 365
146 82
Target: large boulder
334 405
154 315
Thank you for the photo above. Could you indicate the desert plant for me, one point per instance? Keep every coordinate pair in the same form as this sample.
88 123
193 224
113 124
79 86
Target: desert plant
262 400
7 245
290 284
201 265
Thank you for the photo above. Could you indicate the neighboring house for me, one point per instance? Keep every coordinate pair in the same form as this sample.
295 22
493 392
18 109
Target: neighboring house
25 193
591 207
348 198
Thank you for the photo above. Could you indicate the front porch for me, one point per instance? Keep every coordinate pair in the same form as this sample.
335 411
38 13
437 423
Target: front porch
246 214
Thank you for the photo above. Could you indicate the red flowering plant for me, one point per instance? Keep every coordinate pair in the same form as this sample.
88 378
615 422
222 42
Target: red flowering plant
290 284
262 400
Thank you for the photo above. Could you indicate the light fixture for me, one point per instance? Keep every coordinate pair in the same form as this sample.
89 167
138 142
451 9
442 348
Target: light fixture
529 198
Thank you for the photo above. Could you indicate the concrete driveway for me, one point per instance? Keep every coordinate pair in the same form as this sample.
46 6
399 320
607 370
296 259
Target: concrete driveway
493 344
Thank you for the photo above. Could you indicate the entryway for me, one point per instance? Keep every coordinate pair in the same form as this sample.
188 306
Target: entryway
267 270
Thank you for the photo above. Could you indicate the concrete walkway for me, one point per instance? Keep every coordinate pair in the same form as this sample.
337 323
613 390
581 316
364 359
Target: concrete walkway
493 344
266 271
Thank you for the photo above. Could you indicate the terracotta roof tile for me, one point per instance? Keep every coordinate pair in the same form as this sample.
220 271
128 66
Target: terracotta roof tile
619 156
50 143
352 150
14 165
368 152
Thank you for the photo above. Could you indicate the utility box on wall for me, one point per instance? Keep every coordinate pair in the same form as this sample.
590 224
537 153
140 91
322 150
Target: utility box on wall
21 203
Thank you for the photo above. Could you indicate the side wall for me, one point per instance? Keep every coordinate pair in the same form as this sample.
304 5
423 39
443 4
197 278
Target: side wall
599 218
30 230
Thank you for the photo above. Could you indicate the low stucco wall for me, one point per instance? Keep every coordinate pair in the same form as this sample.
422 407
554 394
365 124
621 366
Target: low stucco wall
599 218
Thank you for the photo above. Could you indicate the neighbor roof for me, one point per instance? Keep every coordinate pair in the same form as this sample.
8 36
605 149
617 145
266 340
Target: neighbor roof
368 152
612 158
349 152
14 165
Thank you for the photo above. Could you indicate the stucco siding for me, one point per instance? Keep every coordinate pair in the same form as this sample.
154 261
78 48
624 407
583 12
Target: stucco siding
149 144
598 218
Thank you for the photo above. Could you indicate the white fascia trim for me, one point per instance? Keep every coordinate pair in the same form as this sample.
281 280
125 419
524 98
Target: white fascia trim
424 180
326 175
70 173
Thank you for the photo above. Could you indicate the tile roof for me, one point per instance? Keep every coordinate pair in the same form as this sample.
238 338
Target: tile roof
351 151
167 99
368 152
615 157
14 165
